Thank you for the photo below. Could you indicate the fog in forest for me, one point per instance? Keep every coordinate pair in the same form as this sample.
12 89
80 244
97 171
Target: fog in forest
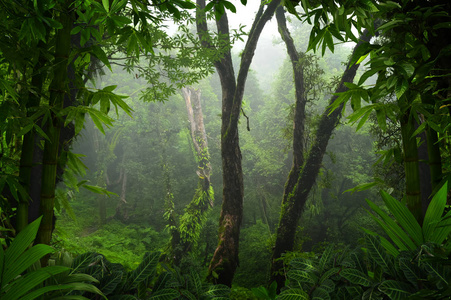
148 163
215 149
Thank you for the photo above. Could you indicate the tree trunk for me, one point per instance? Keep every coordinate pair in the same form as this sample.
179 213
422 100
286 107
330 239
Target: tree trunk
225 259
295 198
191 222
27 162
411 165
58 91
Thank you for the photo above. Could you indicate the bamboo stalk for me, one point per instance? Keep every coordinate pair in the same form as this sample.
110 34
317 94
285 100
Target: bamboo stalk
57 94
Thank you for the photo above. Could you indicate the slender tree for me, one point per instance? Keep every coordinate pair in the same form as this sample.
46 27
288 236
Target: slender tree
303 173
186 235
225 259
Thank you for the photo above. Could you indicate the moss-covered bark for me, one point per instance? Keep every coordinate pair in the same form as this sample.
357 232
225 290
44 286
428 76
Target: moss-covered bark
295 198
225 259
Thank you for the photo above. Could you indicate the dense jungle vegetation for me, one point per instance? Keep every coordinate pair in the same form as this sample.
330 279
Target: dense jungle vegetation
181 149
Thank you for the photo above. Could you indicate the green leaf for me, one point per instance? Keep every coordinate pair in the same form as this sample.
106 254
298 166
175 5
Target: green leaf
217 290
377 253
145 270
401 87
434 213
355 276
109 282
293 294
396 290
404 217
301 263
98 190
302 276
83 261
229 6
106 5
21 242
100 54
165 294
21 287
26 260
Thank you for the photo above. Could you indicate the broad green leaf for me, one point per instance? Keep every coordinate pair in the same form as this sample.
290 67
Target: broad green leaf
217 290
410 270
401 87
404 217
24 261
109 282
83 261
21 242
325 258
302 276
301 263
397 235
197 282
377 252
434 213
145 270
396 290
355 276
384 242
23 285
293 294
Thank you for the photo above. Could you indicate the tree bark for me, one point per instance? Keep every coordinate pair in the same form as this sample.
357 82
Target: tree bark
225 259
294 199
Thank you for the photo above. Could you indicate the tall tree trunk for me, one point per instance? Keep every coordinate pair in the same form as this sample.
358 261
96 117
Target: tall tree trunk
57 94
191 222
294 199
225 259
27 162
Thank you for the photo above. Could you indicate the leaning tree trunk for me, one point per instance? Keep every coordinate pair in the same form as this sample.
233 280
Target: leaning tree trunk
298 133
194 217
295 199
56 102
225 259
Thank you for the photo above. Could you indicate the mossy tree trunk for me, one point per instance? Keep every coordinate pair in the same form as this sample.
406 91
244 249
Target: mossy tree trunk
225 259
191 222
294 199
298 143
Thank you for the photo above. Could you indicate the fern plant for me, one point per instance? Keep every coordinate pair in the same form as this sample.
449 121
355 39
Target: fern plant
415 265
143 283
21 279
